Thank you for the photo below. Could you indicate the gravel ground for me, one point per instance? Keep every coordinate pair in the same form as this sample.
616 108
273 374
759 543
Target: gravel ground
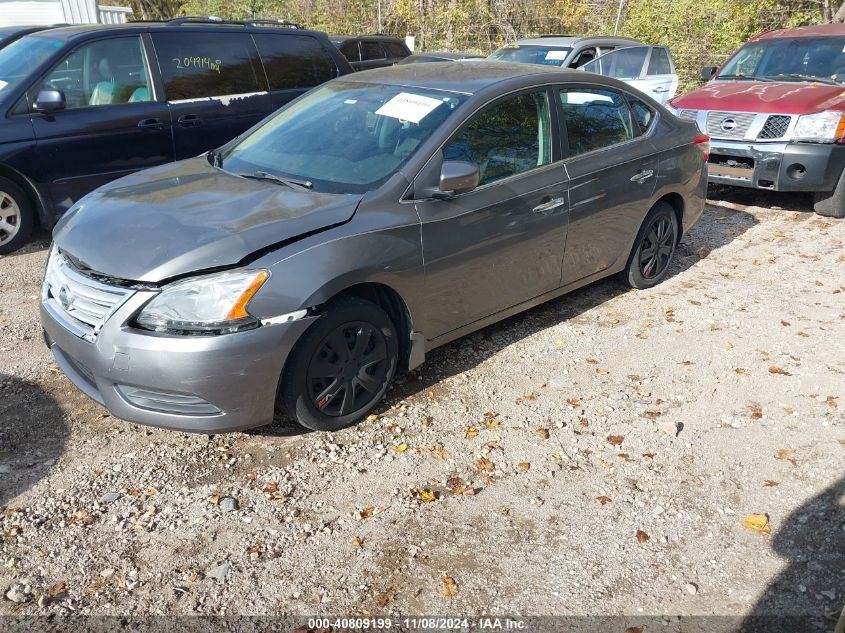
596 455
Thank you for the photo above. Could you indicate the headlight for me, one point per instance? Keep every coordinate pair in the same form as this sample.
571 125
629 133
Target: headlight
822 127
213 304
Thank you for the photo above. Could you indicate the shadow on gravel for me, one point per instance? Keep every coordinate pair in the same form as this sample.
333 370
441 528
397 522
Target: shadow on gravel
809 595
40 241
775 200
717 227
33 433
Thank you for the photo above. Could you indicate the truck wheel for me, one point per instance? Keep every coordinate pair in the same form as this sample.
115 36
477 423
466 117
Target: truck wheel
16 216
831 203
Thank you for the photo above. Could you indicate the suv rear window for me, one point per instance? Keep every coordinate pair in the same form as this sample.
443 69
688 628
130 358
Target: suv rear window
294 61
195 65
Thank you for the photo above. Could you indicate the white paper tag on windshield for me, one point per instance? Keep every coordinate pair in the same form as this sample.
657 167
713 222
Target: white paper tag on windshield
409 107
556 55
3 84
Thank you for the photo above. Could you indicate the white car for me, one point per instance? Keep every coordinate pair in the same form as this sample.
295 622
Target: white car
650 69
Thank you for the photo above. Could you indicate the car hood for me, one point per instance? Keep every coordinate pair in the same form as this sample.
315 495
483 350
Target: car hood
189 216
788 97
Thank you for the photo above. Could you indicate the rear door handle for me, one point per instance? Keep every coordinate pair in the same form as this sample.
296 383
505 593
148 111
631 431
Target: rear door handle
189 120
151 124
660 89
642 176
548 207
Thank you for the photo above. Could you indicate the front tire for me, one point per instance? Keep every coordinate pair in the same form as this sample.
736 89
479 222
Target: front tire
831 204
653 248
16 216
341 367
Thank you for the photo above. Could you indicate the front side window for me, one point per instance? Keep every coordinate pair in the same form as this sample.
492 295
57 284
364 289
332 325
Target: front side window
594 119
511 137
546 55
199 65
102 73
19 58
371 50
344 137
789 59
294 61
584 57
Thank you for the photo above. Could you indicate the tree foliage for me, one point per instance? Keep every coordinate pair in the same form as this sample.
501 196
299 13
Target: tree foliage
698 32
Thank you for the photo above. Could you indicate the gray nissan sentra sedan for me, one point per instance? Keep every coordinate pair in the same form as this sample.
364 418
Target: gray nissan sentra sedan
375 218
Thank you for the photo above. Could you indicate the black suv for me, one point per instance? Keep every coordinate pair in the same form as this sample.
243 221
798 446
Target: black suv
85 105
371 51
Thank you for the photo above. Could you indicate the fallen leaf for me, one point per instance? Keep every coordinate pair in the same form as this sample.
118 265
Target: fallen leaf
531 397
615 440
819 283
369 511
372 417
634 629
437 450
652 414
602 372
592 361
728 345
426 495
384 598
649 455
485 465
742 371
59 589
769 483
642 537
489 479
624 456
634 377
560 341
524 466
492 424
426 421
603 499
787 454
804 334
785 323
430 394
214 499
789 410
774 369
574 401
831 402
151 492
470 432
842 441
448 586
756 411
542 433
270 487
757 522
401 448
584 422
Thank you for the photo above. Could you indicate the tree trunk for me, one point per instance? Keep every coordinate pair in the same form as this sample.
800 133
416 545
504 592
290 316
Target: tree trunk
827 11
840 14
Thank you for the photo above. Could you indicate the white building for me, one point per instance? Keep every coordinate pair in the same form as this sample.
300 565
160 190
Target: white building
14 12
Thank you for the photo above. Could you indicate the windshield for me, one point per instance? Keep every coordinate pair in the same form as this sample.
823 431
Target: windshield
547 55
343 137
19 58
799 58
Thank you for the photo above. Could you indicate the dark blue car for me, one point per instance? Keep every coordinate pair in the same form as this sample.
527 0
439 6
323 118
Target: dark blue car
85 105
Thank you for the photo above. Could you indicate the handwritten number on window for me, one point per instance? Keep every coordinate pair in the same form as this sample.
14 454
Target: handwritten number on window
198 62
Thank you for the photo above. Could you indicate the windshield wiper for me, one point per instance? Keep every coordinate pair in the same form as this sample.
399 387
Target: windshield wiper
744 78
821 80
293 183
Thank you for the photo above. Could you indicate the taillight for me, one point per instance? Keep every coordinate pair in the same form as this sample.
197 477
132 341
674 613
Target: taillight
702 141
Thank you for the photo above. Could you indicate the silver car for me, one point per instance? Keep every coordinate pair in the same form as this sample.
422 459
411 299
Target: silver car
375 218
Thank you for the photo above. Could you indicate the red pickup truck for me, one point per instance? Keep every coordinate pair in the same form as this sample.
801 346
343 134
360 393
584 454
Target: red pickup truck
775 113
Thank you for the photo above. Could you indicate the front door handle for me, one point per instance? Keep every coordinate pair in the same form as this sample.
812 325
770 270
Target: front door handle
548 207
660 89
151 124
189 120
642 176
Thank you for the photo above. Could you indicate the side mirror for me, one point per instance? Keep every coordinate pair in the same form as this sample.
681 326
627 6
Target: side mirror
49 101
456 176
707 72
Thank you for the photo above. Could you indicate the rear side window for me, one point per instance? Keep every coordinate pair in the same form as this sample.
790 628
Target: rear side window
371 50
643 115
659 63
594 119
350 51
196 65
294 61
395 49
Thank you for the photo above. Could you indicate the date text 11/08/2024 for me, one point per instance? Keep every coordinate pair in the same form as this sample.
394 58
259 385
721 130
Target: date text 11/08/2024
420 624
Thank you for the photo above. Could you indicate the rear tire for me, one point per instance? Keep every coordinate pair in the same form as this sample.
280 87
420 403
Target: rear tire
831 204
16 216
341 367
653 249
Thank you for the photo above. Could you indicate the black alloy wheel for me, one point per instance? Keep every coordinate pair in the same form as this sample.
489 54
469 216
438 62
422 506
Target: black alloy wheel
653 249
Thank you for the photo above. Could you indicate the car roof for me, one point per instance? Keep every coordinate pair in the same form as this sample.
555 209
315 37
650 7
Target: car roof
572 40
72 32
816 30
346 38
461 78
22 28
